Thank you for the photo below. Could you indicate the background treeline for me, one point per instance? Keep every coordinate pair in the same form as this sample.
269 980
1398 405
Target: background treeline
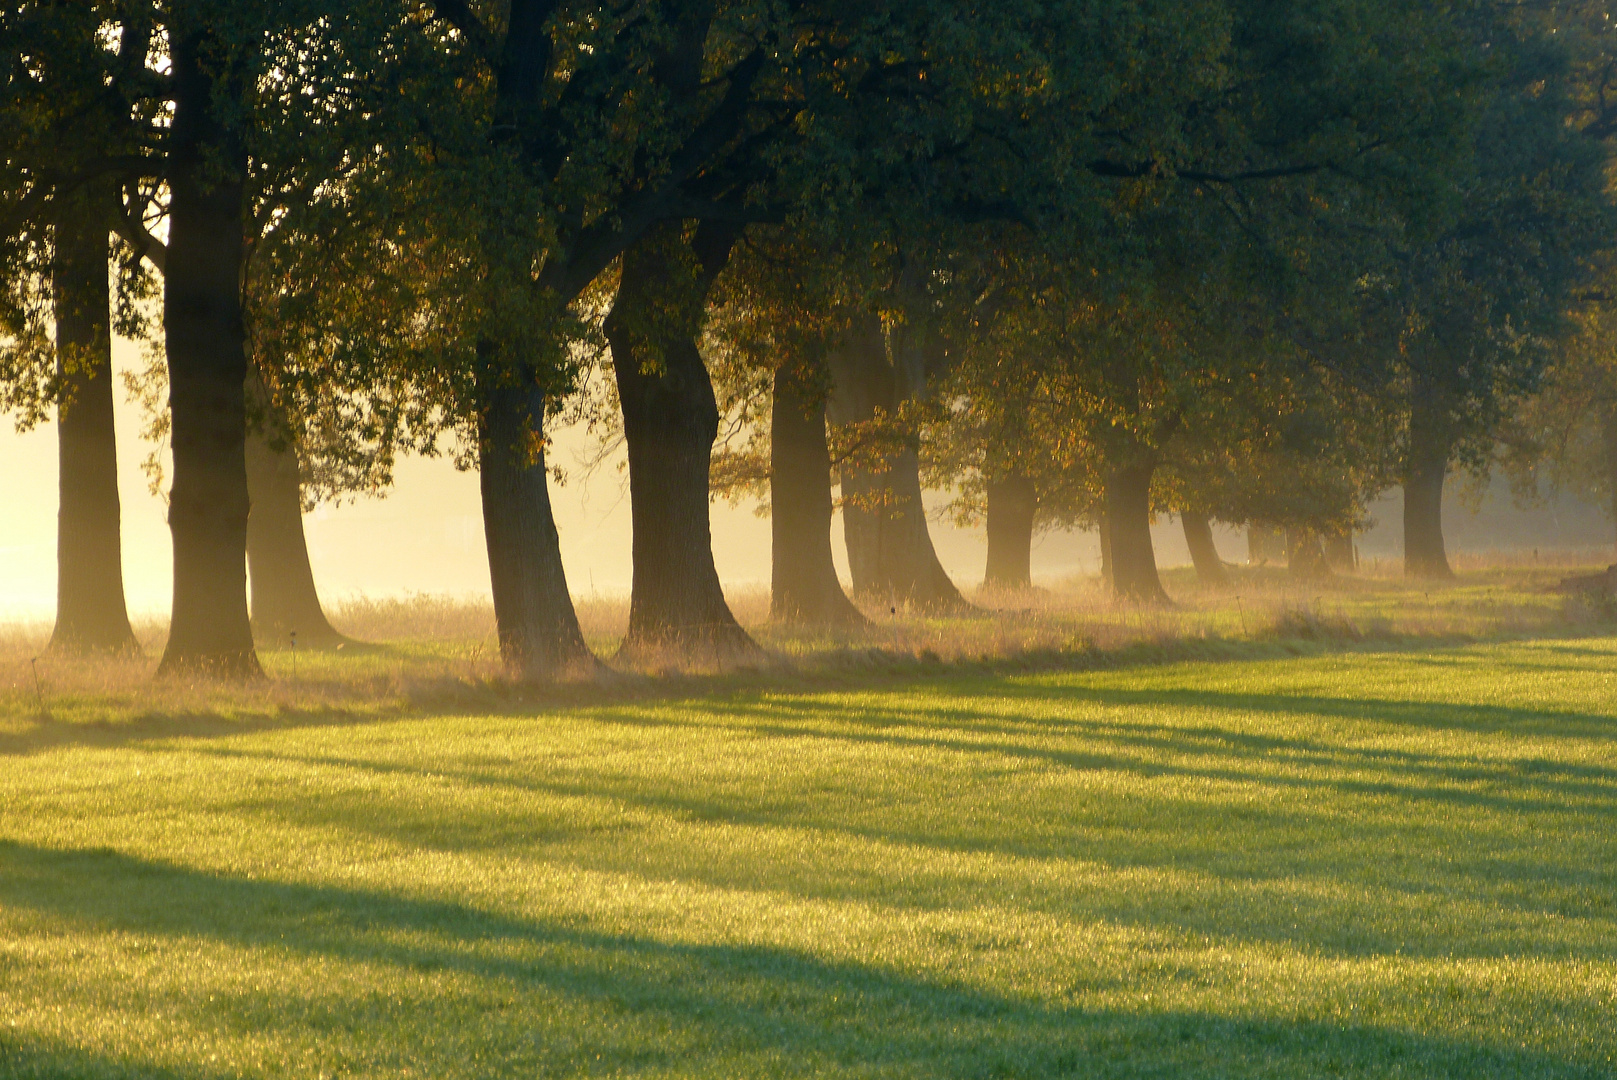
1081 262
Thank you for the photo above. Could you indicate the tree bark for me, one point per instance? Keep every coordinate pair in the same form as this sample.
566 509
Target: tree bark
209 630
1012 504
1305 555
1608 430
1104 530
1264 545
91 615
670 421
1425 469
890 552
284 599
533 610
1340 555
1203 551
1128 513
804 589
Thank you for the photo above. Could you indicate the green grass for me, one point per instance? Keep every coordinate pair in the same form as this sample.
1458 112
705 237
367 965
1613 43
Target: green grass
1364 864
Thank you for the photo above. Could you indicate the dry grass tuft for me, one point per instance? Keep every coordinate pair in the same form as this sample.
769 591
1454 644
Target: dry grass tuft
414 617
440 653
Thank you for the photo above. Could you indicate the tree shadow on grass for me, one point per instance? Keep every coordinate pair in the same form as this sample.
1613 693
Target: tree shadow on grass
1433 715
1201 751
29 1059
1259 846
1006 679
659 1006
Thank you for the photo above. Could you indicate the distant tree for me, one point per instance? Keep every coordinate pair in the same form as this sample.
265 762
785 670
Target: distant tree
1470 310
1564 438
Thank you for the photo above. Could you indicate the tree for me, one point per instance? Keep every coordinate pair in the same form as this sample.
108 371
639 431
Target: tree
776 319
285 605
879 377
804 588
174 89
1474 308
670 421
91 611
91 615
57 122
1564 439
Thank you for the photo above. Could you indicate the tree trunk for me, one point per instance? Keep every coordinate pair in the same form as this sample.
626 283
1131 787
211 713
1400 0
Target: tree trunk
284 599
670 421
209 631
804 588
1608 429
1128 512
1424 471
1339 552
1104 529
533 611
890 552
1264 545
1012 503
1203 551
91 615
1305 555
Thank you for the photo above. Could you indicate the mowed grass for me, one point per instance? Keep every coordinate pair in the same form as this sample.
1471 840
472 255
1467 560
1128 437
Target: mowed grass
1398 863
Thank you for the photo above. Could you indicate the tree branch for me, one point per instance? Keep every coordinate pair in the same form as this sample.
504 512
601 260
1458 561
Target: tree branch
142 243
1138 169
459 14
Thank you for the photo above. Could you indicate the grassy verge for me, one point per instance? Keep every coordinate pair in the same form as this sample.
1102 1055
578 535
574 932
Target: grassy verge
438 655
1354 864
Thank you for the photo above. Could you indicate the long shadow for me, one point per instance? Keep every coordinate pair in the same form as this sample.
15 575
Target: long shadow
736 1009
1202 739
1331 920
958 730
1430 715
29 1059
51 734
449 695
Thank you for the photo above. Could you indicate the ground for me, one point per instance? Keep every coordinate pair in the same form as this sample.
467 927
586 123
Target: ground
1350 855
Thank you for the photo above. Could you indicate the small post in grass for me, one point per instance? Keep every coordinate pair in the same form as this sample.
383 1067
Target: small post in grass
39 690
294 655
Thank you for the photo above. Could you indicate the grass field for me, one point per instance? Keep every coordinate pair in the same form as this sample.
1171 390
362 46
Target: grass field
1388 860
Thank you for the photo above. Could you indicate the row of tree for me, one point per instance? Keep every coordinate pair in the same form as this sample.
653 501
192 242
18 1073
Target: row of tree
1080 261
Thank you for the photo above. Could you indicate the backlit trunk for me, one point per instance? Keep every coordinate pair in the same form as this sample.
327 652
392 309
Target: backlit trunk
1340 554
1608 430
890 552
284 600
91 615
1305 555
533 611
1012 505
209 631
803 578
1203 551
1424 471
1128 515
1104 530
670 421
1264 545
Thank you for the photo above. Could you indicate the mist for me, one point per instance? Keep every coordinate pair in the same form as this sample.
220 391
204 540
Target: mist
426 534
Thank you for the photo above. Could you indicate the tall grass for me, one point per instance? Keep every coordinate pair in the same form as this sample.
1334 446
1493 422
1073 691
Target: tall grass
443 650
